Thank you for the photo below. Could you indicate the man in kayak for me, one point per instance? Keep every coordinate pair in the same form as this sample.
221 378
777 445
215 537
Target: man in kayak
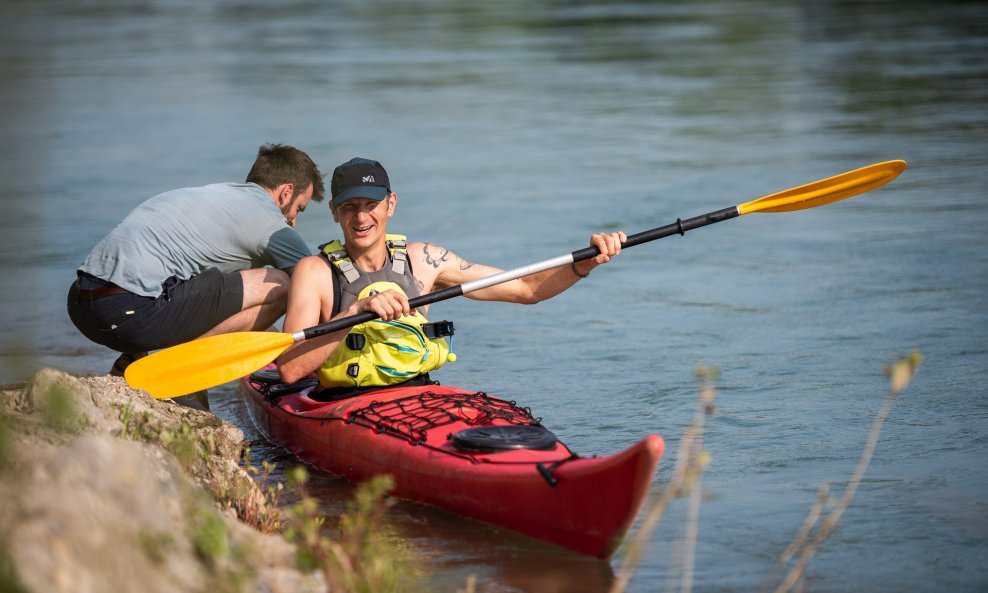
191 262
374 271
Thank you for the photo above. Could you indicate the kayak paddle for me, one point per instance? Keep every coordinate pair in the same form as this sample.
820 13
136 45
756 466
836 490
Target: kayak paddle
207 362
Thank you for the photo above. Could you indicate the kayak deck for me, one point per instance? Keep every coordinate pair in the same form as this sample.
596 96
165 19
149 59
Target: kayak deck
417 435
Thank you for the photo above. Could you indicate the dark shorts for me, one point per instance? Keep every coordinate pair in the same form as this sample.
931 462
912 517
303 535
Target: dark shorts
131 323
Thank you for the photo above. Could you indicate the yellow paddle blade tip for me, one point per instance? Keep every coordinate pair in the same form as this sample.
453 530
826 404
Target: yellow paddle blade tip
204 363
825 191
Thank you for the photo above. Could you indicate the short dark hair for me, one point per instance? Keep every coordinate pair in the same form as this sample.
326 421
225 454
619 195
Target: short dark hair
279 163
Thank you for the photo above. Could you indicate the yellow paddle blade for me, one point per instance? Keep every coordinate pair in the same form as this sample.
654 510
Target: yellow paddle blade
827 190
204 363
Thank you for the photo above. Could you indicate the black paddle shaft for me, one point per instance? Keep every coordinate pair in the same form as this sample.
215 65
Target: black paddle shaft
677 228
365 316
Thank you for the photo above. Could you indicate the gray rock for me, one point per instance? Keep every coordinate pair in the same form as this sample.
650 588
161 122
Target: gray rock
87 510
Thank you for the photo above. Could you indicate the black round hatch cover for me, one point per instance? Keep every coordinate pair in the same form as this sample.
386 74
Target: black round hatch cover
486 439
266 376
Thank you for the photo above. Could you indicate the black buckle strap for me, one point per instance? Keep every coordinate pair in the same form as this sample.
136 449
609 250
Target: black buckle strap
437 329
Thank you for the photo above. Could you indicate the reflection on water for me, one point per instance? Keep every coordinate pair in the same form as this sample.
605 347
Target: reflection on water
513 130
449 549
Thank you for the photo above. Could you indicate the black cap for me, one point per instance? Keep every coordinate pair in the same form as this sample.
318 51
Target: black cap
359 178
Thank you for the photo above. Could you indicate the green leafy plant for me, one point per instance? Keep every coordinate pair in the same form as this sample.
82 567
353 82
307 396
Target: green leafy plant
361 559
210 535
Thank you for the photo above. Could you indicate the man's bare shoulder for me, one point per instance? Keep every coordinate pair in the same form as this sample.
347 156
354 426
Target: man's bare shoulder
312 266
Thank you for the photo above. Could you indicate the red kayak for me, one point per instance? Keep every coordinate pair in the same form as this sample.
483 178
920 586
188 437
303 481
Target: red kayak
464 451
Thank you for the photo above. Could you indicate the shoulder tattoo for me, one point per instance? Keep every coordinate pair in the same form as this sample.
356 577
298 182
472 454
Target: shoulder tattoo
435 256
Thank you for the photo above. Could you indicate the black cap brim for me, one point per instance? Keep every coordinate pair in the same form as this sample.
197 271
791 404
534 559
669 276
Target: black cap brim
370 192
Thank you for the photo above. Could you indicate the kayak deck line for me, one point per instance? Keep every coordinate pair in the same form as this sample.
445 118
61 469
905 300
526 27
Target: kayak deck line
414 415
374 417
585 504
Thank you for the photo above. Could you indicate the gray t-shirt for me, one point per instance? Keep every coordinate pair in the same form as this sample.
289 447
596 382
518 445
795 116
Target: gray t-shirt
228 226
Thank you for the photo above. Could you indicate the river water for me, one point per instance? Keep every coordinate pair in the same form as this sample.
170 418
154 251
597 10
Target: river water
512 130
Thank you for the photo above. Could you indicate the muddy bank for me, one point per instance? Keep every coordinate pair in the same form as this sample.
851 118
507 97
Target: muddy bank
105 489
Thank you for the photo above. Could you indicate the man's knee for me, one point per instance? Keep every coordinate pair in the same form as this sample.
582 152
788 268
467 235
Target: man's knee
280 283
279 277
265 286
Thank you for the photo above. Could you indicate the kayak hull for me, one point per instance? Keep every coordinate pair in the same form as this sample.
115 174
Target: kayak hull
583 504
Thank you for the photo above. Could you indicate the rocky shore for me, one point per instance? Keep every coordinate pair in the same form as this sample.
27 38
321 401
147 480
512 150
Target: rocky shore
106 490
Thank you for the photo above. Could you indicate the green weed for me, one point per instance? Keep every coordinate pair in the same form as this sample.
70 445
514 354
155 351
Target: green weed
10 581
361 560
266 517
156 545
210 536
5 447
186 446
138 428
59 410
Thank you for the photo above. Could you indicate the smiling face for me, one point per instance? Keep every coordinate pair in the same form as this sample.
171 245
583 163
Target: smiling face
364 222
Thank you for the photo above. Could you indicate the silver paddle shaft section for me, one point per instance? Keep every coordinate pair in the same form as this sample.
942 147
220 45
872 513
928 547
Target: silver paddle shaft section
677 228
521 272
439 295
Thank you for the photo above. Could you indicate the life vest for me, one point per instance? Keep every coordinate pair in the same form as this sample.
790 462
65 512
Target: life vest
380 353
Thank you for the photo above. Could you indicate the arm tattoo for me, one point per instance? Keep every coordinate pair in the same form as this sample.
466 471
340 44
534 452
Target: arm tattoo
421 286
464 264
436 261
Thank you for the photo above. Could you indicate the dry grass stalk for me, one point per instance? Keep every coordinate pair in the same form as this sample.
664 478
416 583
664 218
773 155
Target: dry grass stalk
806 546
690 461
